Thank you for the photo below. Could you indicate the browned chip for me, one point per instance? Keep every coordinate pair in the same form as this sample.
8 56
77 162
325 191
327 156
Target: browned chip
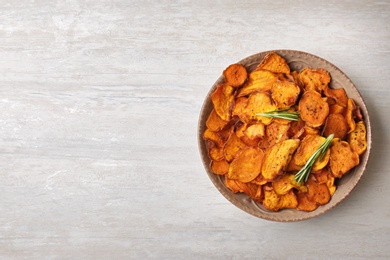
337 125
274 133
223 99
284 184
275 63
216 153
306 149
314 79
318 193
284 93
232 147
339 95
277 158
273 201
342 158
219 167
336 109
214 137
214 122
313 109
252 190
255 131
257 103
247 165
235 75
258 81
358 138
304 203
349 115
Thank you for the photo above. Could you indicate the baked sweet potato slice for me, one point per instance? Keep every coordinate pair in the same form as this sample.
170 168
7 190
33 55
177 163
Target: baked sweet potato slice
304 203
339 95
232 147
274 133
255 131
252 190
349 115
257 103
258 81
275 63
337 125
247 165
223 100
214 122
318 193
314 79
213 137
358 138
285 94
219 167
342 158
216 153
273 201
308 146
313 109
235 75
277 158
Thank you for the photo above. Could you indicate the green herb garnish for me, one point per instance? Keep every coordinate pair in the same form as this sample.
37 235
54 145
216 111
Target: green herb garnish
303 174
282 113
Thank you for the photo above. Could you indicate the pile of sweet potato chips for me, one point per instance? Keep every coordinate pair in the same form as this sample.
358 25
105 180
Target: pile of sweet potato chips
259 156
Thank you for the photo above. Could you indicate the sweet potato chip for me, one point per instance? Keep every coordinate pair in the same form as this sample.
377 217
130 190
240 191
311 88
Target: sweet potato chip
314 79
252 190
342 158
214 122
313 108
258 81
336 109
223 99
214 137
308 146
219 167
257 103
235 75
274 133
216 153
277 158
273 201
284 93
349 115
318 193
255 131
232 147
337 125
284 184
358 138
275 63
339 95
247 165
304 203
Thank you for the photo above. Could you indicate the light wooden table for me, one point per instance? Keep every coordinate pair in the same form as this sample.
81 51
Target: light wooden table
99 103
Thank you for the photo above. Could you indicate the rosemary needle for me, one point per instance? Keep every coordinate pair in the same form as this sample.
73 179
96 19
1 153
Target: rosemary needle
303 174
282 113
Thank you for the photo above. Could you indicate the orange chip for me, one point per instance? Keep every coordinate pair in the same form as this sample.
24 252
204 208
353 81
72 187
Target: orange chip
216 153
304 203
337 125
284 184
257 103
252 190
274 133
358 138
314 79
275 63
214 137
349 115
273 201
336 109
306 149
339 95
247 165
318 193
219 167
277 158
235 75
285 94
223 99
342 158
258 81
214 122
255 131
232 147
313 109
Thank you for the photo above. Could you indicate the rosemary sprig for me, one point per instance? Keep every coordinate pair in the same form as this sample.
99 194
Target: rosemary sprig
303 174
282 113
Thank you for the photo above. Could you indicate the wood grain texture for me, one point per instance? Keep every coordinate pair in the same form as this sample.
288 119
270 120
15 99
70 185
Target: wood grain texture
99 103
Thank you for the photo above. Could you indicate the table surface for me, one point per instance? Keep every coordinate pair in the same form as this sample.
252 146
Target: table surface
99 106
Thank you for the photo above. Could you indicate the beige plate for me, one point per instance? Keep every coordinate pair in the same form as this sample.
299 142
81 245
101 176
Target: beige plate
297 60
